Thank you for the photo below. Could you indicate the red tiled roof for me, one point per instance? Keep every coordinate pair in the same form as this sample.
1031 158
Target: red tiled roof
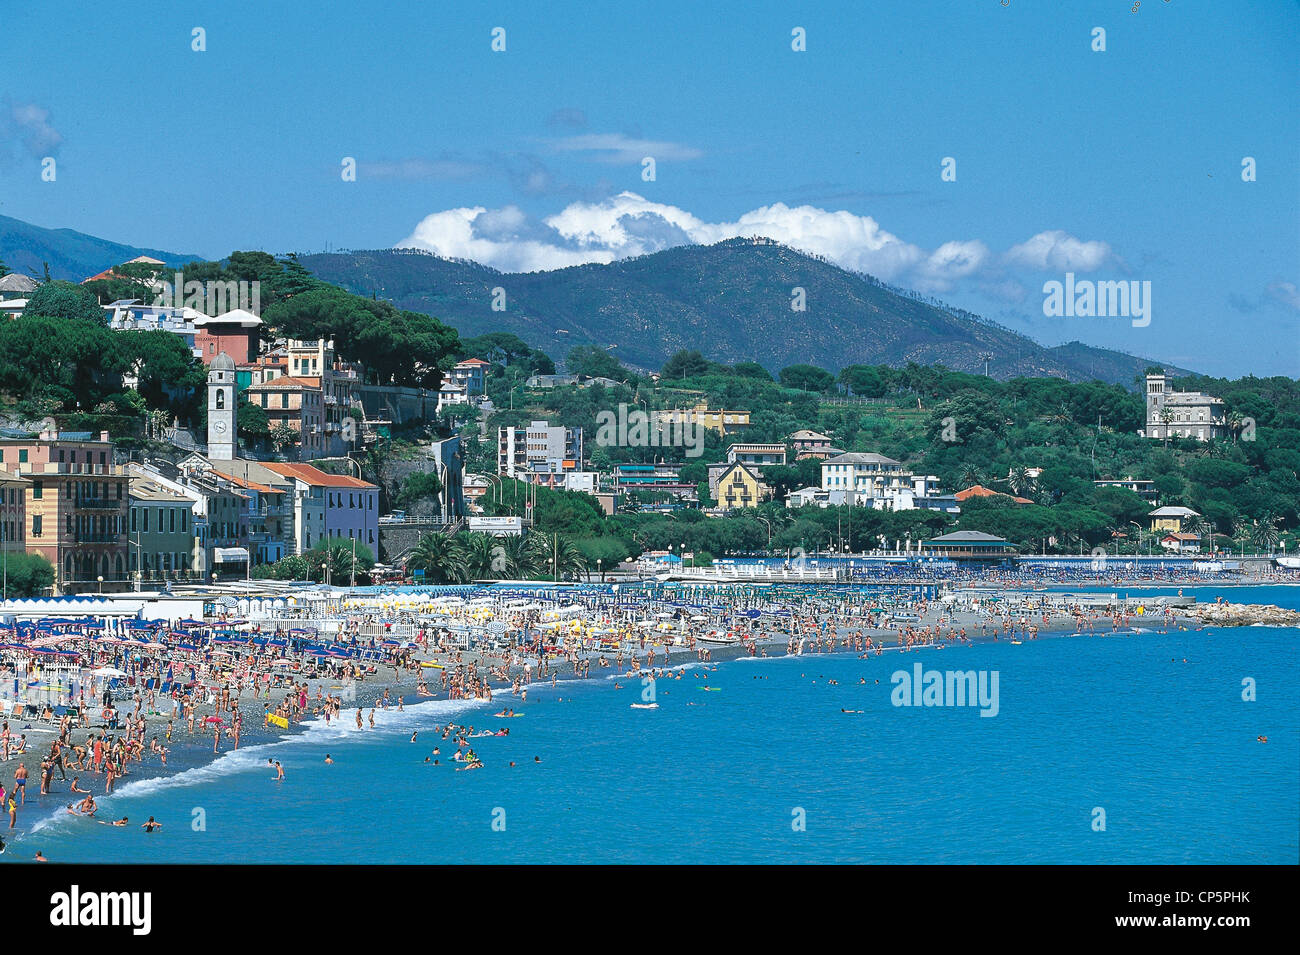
289 381
315 476
251 485
979 490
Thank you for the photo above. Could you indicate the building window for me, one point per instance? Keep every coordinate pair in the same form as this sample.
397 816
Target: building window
22 455
38 490
144 520
133 519
36 525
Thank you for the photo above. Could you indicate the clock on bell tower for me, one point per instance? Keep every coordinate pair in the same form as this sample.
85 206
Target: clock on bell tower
221 408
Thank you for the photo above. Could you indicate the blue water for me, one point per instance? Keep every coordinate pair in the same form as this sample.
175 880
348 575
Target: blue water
1167 749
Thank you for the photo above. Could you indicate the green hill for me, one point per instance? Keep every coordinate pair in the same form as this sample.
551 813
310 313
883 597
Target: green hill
731 301
72 255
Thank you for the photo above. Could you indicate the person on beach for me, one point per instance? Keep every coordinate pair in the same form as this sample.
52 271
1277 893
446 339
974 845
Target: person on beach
20 783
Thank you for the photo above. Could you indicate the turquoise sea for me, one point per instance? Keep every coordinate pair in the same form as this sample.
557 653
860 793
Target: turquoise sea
768 769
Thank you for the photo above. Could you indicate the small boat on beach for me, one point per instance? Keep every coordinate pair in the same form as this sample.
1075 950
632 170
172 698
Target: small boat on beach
718 637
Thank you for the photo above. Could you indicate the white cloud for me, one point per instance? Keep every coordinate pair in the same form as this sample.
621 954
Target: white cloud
30 125
1057 251
1286 293
628 224
452 234
618 148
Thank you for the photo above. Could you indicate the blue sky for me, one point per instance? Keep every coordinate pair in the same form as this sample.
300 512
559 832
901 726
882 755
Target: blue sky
1123 164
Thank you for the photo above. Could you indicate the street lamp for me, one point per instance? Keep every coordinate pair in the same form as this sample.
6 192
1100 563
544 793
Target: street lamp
600 569
100 581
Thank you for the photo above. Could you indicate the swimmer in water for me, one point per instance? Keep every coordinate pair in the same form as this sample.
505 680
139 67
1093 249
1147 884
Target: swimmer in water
328 760
150 826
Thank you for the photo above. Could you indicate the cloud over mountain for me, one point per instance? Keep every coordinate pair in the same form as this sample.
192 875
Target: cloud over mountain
627 225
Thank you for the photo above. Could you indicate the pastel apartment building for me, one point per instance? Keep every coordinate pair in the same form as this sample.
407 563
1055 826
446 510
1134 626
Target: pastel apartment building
866 475
160 535
326 505
74 511
722 421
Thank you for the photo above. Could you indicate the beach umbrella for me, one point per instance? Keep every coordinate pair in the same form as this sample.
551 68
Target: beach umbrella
109 671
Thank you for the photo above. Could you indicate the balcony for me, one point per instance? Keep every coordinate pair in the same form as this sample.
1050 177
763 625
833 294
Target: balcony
97 503
94 538
63 467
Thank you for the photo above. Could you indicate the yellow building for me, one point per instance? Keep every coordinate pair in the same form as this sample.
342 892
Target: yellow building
1171 518
740 487
723 422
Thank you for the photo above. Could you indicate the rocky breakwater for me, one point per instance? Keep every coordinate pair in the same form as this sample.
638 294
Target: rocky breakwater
1244 615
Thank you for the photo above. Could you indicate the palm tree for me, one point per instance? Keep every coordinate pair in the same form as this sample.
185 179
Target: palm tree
1235 424
1020 482
970 476
441 558
1241 533
480 557
1264 533
557 557
1166 418
1195 524
338 564
526 557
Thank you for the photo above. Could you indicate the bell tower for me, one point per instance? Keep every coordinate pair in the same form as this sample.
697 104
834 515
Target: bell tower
221 408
